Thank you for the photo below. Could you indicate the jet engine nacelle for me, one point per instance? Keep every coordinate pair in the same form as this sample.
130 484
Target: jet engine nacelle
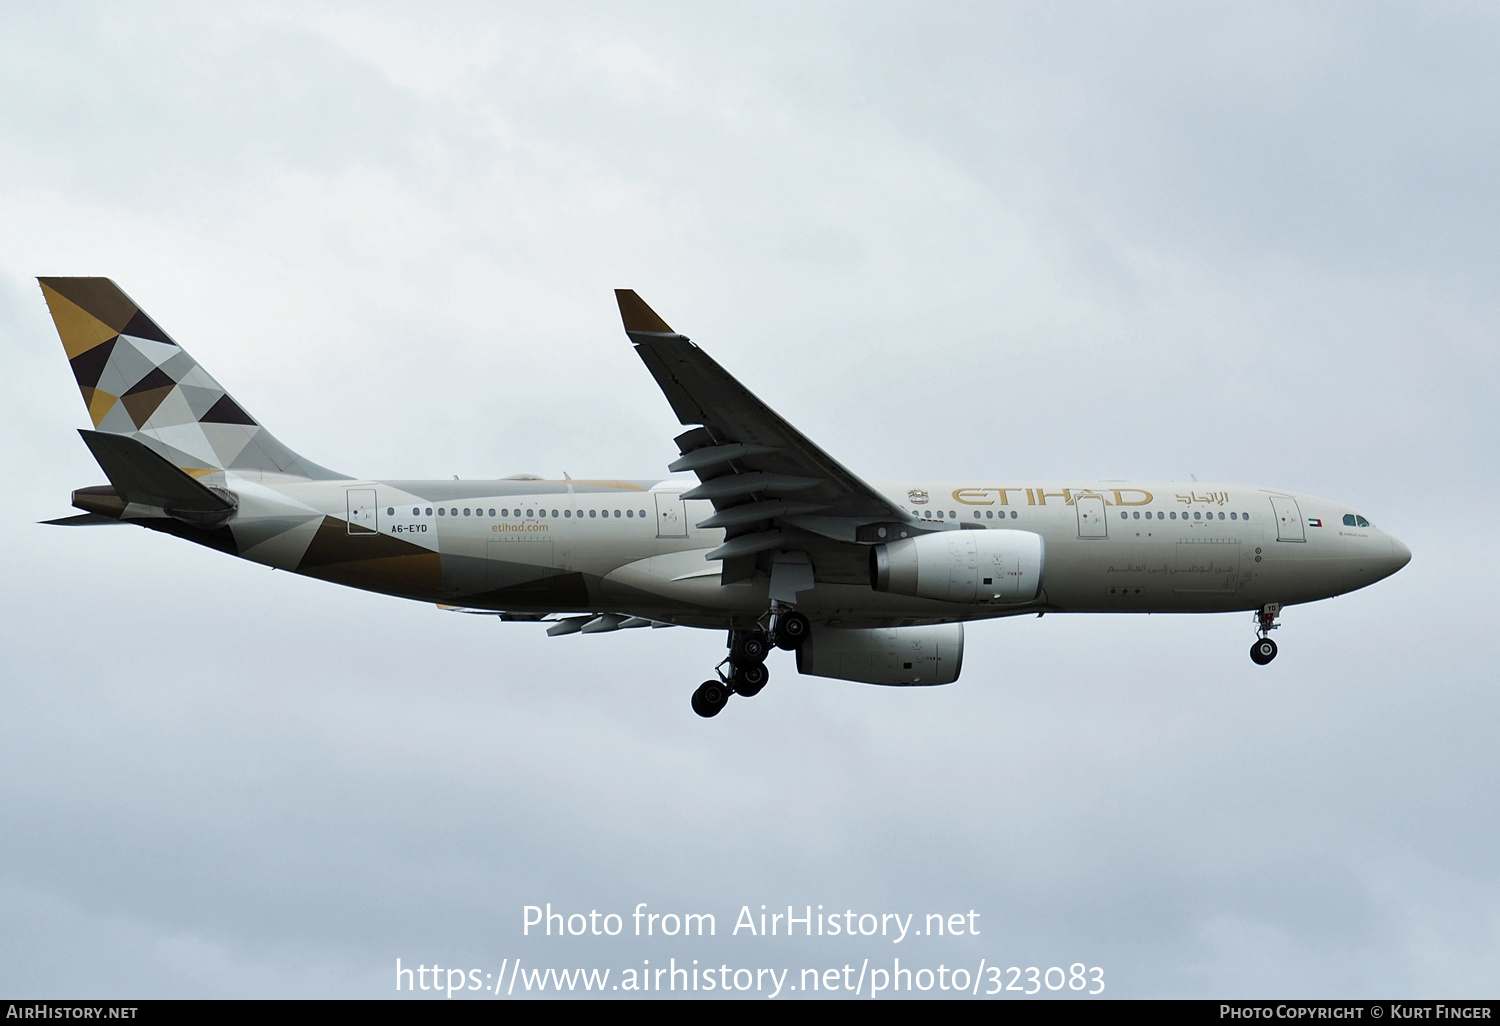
962 566
888 655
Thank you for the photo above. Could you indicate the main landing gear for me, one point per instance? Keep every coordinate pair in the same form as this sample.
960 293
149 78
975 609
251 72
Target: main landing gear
1264 649
744 671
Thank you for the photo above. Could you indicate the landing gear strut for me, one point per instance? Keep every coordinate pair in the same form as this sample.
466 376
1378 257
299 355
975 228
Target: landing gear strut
744 671
1264 649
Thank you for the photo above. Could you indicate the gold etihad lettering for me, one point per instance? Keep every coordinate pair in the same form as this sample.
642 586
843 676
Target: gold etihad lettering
1221 498
1039 496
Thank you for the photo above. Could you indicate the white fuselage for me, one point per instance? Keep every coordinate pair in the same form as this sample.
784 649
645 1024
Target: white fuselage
1110 547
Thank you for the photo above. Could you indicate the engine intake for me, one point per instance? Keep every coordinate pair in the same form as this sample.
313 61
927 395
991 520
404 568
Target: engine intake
962 566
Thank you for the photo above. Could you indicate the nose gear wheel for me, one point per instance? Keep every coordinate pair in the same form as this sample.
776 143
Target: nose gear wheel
1264 649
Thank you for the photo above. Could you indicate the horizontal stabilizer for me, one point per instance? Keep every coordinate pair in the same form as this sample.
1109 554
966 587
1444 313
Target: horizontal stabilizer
143 477
82 520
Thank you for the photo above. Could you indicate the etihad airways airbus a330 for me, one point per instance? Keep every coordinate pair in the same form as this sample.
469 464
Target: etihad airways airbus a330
759 533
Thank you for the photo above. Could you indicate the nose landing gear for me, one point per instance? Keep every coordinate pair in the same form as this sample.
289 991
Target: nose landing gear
1264 649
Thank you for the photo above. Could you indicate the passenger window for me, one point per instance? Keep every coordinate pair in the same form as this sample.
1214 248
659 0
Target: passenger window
989 514
952 513
617 514
1197 516
492 512
1221 516
1124 515
630 512
1174 514
1234 516
593 513
390 511
442 512
927 514
1014 514
1244 516
466 511
429 511
416 512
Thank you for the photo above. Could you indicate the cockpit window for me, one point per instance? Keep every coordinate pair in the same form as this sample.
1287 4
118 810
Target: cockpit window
1349 520
1362 521
1355 520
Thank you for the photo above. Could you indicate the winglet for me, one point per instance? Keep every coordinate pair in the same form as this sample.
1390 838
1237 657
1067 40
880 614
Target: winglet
638 316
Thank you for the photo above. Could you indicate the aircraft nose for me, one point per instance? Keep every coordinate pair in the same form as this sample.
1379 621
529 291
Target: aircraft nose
1400 555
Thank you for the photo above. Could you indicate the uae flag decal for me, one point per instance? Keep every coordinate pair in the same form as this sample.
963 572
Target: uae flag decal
1314 522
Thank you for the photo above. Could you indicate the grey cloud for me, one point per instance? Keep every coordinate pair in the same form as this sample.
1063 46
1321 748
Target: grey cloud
944 242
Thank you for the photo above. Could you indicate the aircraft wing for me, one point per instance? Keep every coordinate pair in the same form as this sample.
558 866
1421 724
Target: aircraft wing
771 486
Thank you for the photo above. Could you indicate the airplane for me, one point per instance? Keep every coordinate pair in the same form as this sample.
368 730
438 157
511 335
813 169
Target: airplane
755 531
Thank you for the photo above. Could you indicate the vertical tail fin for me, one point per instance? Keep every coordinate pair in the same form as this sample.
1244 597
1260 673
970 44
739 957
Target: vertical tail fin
137 381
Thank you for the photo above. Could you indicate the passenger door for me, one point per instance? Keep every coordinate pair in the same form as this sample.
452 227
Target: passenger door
1091 520
670 519
1289 525
363 517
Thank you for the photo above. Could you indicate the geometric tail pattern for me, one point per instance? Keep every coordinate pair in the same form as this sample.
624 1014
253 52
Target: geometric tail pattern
137 381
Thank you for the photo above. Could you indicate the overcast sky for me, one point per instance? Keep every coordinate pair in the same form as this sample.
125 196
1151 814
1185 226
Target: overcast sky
1255 243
